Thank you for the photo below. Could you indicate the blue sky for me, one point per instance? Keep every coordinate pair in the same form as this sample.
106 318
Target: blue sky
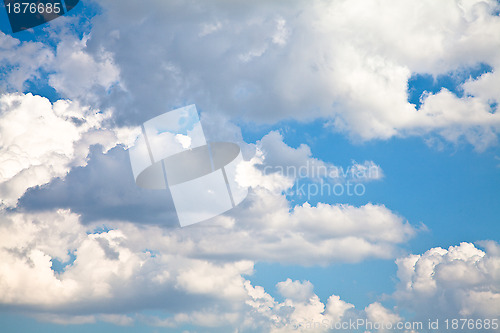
410 89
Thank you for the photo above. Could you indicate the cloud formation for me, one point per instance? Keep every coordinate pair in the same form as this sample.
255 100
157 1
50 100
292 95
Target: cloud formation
61 271
107 274
459 280
104 257
349 63
41 141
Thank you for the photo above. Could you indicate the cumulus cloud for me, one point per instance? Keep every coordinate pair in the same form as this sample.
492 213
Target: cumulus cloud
41 141
268 226
79 75
348 63
264 227
113 275
377 313
278 167
21 61
351 66
305 310
345 63
109 192
62 62
461 280
108 275
104 269
275 167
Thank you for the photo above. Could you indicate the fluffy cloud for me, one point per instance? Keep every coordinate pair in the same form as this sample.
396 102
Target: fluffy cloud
104 269
108 192
108 274
305 310
21 62
266 224
276 159
41 141
377 313
351 66
76 74
264 227
460 281
113 275
62 62
101 269
346 62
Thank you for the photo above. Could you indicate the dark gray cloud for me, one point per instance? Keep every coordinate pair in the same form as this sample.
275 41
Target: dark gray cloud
103 190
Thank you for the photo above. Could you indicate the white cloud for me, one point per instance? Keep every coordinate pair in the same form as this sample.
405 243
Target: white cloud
76 73
66 319
115 275
111 276
348 63
296 290
485 87
28 244
261 312
21 61
276 167
68 67
41 141
119 198
345 63
460 281
266 228
377 313
121 320
105 269
208 28
455 119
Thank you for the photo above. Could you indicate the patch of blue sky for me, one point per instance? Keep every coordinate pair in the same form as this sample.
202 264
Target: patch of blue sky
297 133
38 85
151 253
14 322
59 266
496 10
100 230
360 283
18 323
4 20
419 84
493 107
41 87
